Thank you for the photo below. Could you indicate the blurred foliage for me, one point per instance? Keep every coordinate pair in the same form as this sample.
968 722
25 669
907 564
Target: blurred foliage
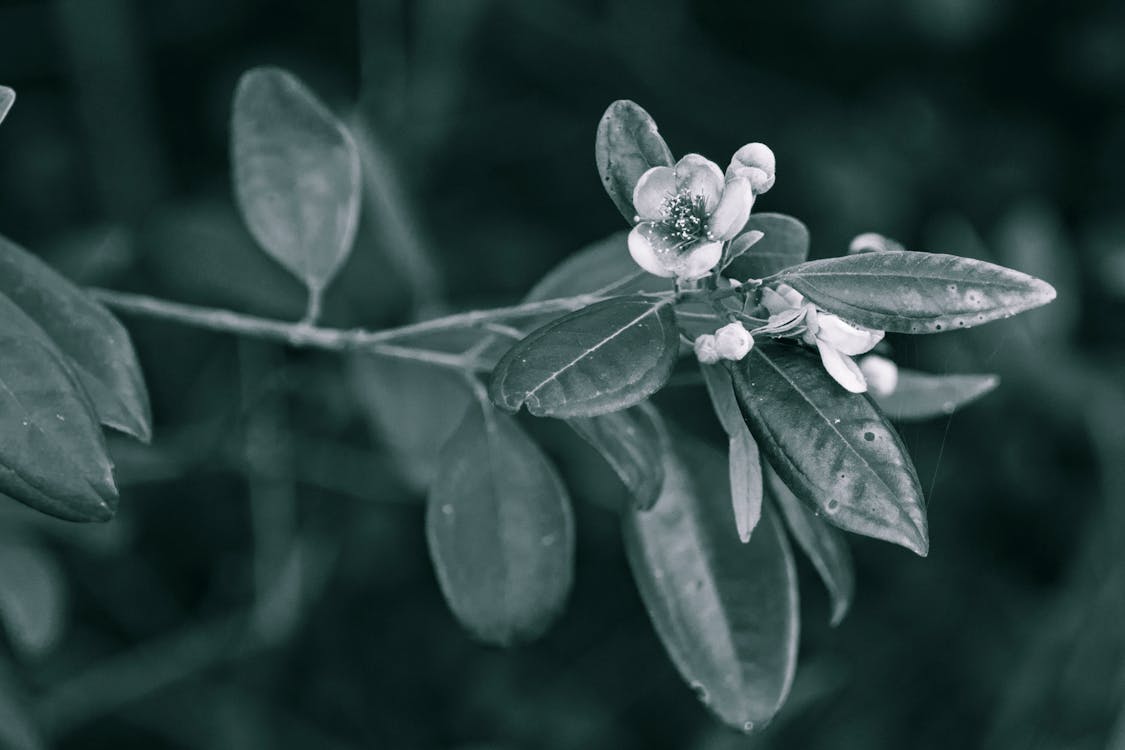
266 582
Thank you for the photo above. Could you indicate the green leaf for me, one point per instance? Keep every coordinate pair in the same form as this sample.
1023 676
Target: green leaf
296 175
52 453
831 447
500 530
7 99
32 597
919 395
96 344
626 147
413 408
825 546
17 730
604 267
785 243
744 463
908 292
600 359
725 611
631 441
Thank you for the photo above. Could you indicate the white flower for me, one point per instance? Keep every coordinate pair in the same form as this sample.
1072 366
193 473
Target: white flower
733 341
881 374
706 350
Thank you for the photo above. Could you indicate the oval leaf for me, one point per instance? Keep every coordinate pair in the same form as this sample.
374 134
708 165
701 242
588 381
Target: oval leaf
744 462
831 447
908 292
52 453
96 344
296 175
726 612
627 146
32 598
600 359
919 395
631 441
784 243
604 267
825 546
500 530
7 99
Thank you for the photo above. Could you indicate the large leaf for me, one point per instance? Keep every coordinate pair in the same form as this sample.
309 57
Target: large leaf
832 448
32 597
7 99
726 612
910 292
825 546
600 359
603 267
919 395
500 530
744 463
95 342
627 146
785 243
632 443
296 175
52 453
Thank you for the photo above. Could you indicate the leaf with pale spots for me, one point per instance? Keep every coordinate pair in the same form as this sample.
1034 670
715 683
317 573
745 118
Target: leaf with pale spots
602 358
909 292
296 175
784 242
603 267
627 146
500 529
726 612
834 449
52 453
631 441
920 395
96 344
824 545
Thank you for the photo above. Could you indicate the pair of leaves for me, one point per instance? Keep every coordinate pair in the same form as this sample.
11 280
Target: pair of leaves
910 292
296 175
726 612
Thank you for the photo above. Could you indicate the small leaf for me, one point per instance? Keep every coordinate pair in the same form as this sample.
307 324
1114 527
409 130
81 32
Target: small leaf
95 342
825 546
32 598
919 395
908 292
831 447
296 175
7 99
500 530
600 359
785 243
631 441
52 453
604 267
627 146
744 462
725 611
412 406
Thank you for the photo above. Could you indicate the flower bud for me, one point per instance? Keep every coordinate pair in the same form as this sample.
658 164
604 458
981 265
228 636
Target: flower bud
881 374
755 162
733 341
705 349
870 242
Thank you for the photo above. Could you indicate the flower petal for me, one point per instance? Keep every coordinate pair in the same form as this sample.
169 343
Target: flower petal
699 260
733 210
881 374
654 188
842 369
700 176
647 245
849 338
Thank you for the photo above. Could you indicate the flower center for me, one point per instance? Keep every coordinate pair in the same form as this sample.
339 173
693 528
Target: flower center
685 217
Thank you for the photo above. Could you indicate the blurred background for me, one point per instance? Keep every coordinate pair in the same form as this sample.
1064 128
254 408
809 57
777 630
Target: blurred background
266 582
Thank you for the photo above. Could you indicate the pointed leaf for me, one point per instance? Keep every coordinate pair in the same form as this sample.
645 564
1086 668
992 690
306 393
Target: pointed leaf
920 395
725 611
744 462
500 530
52 453
92 339
296 175
627 146
785 243
910 292
32 598
604 267
824 545
600 359
7 99
831 447
631 441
